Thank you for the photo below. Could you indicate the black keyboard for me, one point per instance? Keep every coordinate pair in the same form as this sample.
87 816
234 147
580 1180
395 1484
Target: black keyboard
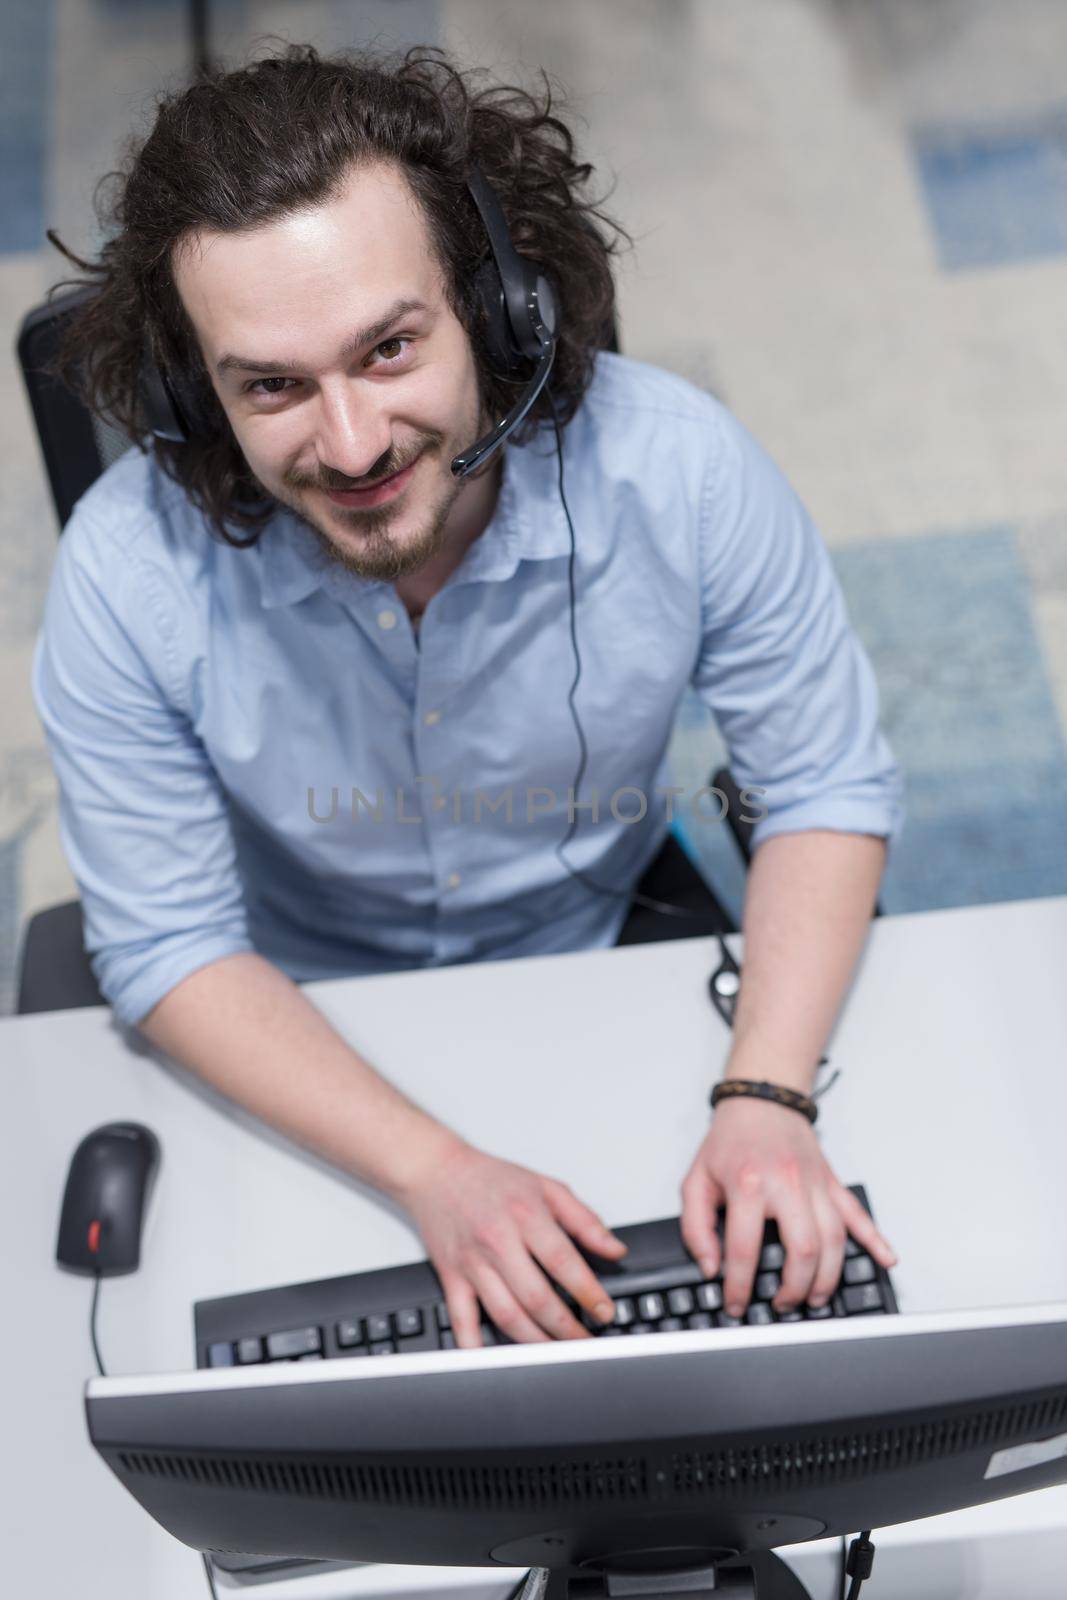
657 1288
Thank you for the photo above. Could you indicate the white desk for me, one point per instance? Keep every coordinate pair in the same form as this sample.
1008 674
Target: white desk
951 1108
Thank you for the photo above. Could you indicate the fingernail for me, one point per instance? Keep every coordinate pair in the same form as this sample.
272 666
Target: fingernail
785 1306
604 1310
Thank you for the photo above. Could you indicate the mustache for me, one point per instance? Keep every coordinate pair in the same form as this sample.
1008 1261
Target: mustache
386 466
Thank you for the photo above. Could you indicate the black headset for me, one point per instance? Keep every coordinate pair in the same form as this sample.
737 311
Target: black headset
521 326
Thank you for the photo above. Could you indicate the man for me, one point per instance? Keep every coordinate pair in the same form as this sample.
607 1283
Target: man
296 246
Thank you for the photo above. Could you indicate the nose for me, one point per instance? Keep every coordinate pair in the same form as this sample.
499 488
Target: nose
354 429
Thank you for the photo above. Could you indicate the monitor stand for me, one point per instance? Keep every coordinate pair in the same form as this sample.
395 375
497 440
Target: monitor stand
759 1575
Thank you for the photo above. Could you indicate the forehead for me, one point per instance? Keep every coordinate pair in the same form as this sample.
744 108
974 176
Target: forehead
298 282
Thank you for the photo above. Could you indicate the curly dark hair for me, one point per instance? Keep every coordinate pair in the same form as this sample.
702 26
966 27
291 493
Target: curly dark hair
241 148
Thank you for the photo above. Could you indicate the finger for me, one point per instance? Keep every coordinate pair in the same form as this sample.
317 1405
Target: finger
582 1222
831 1231
861 1226
548 1244
503 1309
799 1234
701 1199
745 1212
462 1310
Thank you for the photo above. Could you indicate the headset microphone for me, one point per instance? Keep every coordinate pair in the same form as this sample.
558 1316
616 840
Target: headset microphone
521 317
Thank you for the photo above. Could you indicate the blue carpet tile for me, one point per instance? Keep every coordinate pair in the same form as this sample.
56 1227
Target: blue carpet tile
995 192
946 619
25 51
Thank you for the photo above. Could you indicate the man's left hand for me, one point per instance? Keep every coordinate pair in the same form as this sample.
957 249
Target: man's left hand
763 1160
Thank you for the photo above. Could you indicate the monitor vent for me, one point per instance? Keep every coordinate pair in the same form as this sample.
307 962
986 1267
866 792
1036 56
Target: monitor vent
797 1462
834 1458
581 1482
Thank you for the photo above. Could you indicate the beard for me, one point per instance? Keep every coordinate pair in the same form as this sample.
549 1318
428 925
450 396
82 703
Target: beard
376 551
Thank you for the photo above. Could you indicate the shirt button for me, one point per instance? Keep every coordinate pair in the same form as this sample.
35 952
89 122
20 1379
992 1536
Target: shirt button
387 619
453 880
431 717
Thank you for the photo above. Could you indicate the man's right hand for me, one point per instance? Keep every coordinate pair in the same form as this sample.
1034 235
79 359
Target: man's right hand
497 1234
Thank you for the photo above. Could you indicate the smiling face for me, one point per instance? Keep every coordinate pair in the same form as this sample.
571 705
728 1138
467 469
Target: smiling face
347 379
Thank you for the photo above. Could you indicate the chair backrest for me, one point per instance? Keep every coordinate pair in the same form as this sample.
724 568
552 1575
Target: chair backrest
76 446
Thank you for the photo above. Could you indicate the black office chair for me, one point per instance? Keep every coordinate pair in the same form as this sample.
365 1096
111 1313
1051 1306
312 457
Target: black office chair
54 970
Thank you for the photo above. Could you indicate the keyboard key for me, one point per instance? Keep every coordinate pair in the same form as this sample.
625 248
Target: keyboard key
378 1327
624 1313
862 1297
488 1333
680 1302
441 1312
220 1355
671 1325
709 1297
349 1333
248 1350
860 1269
408 1323
819 1313
758 1314
772 1258
796 1315
725 1320
312 1355
767 1285
641 1327
852 1248
448 1339
611 1332
650 1307
293 1342
700 1319
383 1347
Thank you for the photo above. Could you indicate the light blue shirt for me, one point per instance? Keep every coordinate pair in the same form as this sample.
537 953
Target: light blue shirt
257 751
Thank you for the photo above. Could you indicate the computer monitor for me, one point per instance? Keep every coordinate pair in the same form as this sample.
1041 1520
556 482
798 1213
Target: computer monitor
601 1461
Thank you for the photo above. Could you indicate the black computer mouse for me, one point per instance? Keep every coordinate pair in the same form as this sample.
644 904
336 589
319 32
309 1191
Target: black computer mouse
108 1184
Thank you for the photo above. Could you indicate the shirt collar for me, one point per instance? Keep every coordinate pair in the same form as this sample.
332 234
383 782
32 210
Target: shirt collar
528 524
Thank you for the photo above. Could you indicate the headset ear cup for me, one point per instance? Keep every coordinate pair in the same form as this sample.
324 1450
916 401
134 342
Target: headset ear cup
171 405
162 411
505 357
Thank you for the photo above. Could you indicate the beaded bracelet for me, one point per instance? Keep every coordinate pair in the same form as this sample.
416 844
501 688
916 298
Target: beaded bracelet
736 1088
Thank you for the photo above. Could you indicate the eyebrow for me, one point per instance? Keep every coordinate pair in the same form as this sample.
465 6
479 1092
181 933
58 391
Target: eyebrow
365 336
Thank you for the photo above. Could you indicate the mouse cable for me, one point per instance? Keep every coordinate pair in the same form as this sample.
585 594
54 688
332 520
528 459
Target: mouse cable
103 1374
92 1324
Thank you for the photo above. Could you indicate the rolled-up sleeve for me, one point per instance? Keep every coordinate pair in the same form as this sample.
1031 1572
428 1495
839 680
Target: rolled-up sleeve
143 819
779 666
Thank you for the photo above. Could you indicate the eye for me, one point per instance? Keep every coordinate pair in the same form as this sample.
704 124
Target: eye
254 387
398 339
